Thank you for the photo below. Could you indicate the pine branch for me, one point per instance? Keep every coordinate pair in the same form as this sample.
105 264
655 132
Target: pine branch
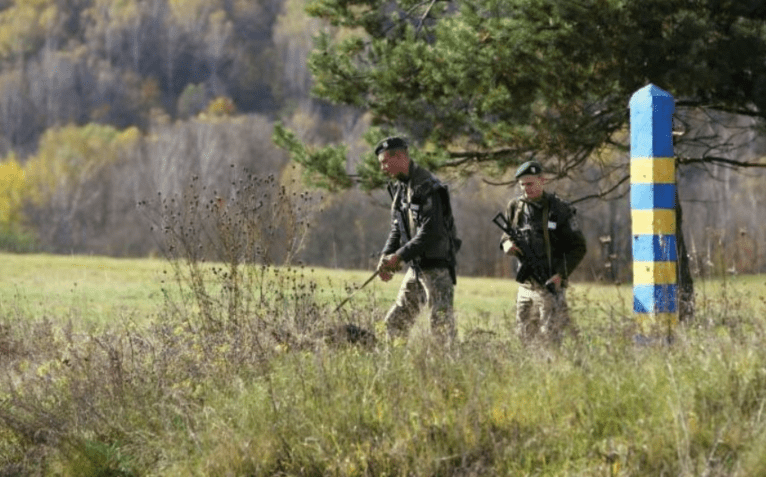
603 194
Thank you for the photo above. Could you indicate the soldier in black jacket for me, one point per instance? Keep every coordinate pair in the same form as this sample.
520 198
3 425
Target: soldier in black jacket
549 226
423 236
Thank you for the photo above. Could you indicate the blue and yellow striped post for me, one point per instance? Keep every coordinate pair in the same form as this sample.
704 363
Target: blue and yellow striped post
653 204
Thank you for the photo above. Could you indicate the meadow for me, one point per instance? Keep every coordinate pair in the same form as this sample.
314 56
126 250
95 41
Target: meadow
117 367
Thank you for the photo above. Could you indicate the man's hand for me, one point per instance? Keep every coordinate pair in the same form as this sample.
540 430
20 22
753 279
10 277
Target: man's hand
388 265
382 273
510 248
555 280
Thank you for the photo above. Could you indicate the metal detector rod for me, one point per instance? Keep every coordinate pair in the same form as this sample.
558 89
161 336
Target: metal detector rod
354 292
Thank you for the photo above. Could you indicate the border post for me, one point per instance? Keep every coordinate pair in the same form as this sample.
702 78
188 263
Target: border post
653 214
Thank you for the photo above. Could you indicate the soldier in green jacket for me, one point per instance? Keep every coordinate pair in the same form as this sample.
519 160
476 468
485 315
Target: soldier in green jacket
423 236
550 228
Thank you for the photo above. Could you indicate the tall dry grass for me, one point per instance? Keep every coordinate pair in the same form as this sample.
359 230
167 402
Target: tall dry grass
245 370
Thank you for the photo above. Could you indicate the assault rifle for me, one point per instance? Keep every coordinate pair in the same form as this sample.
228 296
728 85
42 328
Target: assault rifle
532 265
377 272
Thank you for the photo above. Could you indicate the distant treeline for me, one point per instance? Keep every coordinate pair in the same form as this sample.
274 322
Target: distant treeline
107 104
124 62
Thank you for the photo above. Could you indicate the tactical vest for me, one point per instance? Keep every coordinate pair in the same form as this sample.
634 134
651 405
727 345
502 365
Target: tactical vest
542 234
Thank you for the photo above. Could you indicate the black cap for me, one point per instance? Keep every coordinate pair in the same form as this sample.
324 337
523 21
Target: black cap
529 168
390 144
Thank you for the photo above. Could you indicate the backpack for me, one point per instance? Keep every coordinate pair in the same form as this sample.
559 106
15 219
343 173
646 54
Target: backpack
449 223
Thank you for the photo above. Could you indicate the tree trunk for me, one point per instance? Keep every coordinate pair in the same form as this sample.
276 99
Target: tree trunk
685 280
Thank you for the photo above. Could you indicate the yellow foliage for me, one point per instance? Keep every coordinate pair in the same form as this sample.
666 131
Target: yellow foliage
36 4
123 9
221 106
17 29
12 185
48 17
24 24
128 138
70 155
293 19
191 11
218 19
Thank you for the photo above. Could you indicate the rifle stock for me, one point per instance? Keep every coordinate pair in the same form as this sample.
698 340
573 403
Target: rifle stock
531 264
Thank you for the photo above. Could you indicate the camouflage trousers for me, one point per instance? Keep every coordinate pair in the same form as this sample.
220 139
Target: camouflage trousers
433 287
540 314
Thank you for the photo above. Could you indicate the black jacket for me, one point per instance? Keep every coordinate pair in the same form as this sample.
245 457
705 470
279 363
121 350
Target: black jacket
419 233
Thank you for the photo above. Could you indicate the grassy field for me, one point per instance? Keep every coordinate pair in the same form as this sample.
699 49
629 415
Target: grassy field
147 368
97 290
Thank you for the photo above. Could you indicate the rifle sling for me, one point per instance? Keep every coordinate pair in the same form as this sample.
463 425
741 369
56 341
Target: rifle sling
546 237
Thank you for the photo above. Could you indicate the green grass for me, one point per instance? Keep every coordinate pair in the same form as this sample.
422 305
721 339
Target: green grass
92 289
126 374
95 288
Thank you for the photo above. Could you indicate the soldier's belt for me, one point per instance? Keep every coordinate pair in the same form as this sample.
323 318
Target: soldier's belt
434 263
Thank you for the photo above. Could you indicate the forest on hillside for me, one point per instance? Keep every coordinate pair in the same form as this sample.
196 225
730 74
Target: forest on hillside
111 108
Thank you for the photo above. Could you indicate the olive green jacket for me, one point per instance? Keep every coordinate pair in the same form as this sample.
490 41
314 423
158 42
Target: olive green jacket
567 242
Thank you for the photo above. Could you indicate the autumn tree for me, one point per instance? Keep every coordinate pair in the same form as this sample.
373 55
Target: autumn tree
14 235
65 185
114 61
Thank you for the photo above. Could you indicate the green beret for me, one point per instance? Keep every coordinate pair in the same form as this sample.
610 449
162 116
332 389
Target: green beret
390 144
529 168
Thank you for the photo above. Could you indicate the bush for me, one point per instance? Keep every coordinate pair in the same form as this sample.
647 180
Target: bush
17 240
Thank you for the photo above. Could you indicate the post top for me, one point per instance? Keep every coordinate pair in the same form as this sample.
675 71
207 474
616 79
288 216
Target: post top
648 94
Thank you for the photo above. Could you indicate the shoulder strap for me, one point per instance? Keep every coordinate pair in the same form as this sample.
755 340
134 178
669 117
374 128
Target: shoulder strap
546 237
516 205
